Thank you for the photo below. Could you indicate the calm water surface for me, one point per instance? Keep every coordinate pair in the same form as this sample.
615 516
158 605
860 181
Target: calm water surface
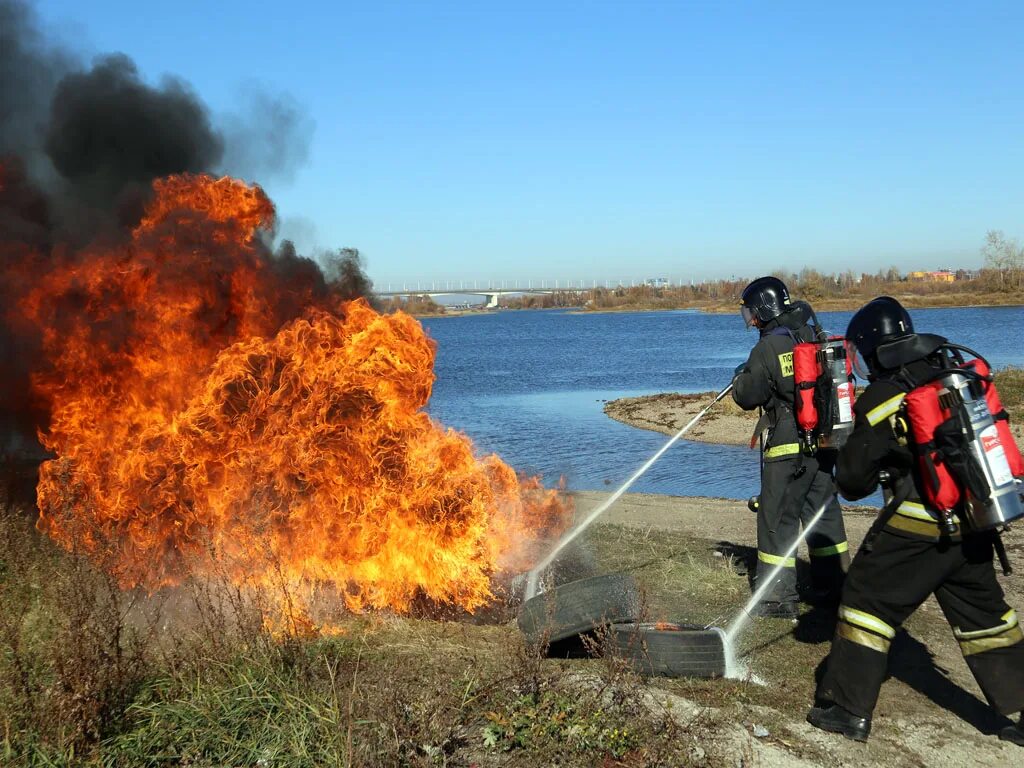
530 387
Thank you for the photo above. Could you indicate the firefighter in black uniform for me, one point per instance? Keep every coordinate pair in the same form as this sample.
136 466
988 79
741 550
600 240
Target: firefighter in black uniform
793 485
909 554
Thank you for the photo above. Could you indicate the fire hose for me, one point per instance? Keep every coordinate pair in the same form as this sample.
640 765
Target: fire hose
533 577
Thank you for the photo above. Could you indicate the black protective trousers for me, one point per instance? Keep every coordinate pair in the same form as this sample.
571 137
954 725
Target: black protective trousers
790 497
887 584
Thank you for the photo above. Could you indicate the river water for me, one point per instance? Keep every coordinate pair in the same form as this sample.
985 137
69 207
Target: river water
530 386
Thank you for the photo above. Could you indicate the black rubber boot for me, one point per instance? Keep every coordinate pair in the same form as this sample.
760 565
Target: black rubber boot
1014 733
835 719
826 601
773 610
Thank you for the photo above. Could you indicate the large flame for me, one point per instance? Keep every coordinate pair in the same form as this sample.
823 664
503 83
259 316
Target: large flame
205 412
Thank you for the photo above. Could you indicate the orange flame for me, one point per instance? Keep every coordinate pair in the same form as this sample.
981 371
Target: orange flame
204 413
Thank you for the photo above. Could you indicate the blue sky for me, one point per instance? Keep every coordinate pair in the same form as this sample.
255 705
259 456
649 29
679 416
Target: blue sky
628 140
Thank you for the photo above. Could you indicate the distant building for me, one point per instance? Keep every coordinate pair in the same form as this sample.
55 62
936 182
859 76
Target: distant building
657 282
938 276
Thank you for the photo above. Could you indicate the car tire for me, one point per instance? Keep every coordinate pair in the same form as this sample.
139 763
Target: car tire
671 650
565 613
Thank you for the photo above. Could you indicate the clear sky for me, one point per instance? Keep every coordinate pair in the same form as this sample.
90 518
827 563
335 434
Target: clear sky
595 140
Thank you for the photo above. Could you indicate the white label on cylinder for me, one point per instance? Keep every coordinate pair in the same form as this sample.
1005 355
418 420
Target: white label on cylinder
845 397
998 466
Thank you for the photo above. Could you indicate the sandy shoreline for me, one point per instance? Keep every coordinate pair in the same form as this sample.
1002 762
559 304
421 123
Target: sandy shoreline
725 424
668 412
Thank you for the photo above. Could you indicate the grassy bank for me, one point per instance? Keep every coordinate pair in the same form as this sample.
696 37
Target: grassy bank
93 676
1010 383
201 676
198 676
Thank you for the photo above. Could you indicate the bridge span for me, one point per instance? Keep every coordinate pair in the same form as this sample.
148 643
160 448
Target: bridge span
492 290
490 295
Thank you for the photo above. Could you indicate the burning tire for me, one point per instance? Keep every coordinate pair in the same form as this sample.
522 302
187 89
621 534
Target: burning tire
562 614
671 650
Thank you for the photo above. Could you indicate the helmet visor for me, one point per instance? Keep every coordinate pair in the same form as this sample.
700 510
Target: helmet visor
748 315
857 362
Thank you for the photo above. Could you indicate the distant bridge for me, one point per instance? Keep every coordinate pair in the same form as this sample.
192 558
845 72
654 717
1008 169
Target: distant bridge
490 294
522 285
442 287
493 289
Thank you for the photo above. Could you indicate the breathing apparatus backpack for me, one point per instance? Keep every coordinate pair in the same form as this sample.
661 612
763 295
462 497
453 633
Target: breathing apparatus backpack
823 375
961 438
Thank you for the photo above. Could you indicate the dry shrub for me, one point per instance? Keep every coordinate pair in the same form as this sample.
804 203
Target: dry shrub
71 658
98 659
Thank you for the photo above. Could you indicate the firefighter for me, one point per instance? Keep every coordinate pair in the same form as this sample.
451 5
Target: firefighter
910 552
793 485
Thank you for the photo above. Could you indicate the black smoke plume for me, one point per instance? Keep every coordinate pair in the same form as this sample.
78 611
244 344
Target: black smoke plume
30 68
109 130
80 146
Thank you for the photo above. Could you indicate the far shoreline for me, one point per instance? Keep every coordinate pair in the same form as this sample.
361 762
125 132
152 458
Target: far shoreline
909 302
819 306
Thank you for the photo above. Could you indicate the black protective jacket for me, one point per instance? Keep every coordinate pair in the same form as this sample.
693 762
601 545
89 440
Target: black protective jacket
908 560
766 381
878 444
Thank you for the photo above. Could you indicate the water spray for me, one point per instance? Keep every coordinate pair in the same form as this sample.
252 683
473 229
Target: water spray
744 615
533 578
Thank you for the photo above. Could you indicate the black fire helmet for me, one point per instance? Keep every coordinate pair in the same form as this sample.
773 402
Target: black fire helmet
764 299
878 322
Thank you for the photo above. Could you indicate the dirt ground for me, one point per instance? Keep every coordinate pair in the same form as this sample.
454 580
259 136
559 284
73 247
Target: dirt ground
691 554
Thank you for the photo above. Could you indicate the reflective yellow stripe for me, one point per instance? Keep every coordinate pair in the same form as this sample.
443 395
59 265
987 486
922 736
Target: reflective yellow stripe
860 637
917 527
918 511
914 517
1005 640
836 549
764 557
882 412
866 621
914 509
786 449
1009 622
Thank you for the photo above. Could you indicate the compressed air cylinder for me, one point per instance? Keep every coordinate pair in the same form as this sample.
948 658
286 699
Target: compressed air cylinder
995 407
1003 504
837 365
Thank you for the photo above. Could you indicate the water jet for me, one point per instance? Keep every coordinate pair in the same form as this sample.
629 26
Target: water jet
533 577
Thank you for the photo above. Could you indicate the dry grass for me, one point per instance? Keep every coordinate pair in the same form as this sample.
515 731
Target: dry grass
93 676
1010 383
90 675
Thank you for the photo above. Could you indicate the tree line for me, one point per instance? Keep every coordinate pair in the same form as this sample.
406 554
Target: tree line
999 281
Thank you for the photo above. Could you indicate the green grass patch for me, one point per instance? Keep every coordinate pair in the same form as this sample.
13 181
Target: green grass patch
1010 383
